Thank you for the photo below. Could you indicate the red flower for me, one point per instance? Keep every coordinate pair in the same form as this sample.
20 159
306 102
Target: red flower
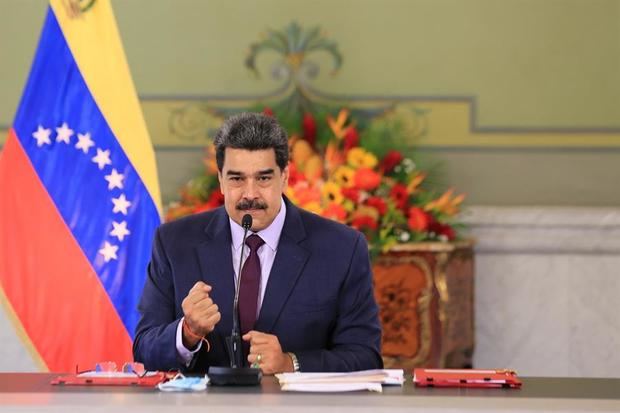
366 179
335 211
351 193
418 219
400 196
377 202
216 199
309 127
351 138
364 222
442 229
390 160
294 175
268 111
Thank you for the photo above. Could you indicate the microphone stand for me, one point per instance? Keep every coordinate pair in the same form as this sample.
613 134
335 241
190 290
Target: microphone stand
236 374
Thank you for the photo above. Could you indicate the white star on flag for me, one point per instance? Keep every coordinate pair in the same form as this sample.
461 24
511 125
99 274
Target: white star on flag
42 136
120 230
102 158
84 142
121 204
63 134
109 251
115 180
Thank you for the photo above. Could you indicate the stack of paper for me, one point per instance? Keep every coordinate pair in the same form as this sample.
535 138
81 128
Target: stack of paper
339 382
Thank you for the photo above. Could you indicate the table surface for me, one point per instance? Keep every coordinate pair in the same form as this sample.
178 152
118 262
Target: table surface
32 392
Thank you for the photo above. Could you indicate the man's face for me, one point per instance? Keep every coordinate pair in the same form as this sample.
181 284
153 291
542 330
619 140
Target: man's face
252 183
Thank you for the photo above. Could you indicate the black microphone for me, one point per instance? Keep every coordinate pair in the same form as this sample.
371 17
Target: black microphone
236 374
234 342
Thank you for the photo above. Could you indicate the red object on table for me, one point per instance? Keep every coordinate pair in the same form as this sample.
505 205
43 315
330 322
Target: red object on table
466 378
81 380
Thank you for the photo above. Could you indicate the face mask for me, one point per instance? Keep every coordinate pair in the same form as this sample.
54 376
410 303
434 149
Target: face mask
182 383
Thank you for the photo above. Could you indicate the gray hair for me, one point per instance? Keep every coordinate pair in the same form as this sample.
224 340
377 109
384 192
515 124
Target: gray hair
251 131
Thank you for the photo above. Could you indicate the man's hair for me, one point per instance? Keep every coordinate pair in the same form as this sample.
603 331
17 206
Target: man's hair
251 131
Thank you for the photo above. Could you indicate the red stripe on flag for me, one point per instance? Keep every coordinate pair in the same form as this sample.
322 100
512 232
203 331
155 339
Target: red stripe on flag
48 281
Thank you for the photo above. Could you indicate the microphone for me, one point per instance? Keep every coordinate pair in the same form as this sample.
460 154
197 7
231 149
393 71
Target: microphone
234 342
236 374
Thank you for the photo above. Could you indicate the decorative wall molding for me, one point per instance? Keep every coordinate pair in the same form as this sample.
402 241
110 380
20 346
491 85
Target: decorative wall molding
545 230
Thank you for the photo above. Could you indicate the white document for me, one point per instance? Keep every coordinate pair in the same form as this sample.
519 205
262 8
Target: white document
332 387
334 382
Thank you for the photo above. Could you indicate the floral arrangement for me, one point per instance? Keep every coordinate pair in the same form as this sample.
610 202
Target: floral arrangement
336 176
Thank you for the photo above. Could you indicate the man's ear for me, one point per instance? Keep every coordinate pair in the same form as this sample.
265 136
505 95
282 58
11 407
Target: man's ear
220 180
285 174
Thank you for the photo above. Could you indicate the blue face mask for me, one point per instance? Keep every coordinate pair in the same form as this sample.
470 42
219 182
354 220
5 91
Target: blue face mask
182 383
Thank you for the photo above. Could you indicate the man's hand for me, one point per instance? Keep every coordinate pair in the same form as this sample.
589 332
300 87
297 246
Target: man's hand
201 314
265 350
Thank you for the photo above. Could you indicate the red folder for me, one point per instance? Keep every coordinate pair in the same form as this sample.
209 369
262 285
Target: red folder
466 378
151 380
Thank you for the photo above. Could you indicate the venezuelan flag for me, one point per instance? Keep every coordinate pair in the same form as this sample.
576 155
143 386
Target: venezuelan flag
79 198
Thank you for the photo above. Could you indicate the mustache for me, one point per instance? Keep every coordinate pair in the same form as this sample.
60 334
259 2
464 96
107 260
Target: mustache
246 204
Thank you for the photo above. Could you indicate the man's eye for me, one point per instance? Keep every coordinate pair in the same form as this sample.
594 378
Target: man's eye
235 178
264 178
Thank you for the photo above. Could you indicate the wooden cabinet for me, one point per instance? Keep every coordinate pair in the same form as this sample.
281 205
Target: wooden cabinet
425 293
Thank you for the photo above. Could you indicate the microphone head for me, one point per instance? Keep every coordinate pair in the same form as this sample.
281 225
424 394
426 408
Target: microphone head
246 221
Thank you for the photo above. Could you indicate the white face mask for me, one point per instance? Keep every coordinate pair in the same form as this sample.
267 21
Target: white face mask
182 383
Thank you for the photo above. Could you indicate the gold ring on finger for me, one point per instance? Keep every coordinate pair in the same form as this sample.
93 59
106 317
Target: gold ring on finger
259 357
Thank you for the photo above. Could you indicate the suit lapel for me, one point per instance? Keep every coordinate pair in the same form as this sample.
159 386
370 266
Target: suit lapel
287 267
215 257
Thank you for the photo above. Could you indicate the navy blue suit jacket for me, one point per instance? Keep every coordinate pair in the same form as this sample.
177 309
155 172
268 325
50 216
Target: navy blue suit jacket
318 301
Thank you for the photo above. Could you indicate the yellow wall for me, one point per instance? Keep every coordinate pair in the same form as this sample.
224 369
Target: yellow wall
508 83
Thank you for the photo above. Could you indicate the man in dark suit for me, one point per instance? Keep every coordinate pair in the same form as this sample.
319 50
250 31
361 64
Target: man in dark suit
306 298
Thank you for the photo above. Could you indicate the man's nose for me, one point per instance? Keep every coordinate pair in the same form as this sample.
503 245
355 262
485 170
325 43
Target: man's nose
251 189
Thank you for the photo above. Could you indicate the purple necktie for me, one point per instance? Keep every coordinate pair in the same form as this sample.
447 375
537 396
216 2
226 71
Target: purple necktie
249 285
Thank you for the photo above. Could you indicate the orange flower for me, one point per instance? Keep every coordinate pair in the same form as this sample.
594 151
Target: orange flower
210 161
366 179
333 157
418 219
335 211
445 203
301 151
313 207
304 193
177 211
415 182
314 168
337 125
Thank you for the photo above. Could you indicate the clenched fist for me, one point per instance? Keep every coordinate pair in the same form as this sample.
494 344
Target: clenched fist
201 313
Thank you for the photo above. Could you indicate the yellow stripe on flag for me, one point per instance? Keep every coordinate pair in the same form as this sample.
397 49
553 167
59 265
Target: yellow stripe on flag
103 65
5 305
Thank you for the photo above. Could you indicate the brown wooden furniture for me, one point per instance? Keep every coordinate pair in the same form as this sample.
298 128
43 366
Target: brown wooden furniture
425 293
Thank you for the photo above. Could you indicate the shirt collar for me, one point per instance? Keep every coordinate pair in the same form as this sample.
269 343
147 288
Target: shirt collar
271 234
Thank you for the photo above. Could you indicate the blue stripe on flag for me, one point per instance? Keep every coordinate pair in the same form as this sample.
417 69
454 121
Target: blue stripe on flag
56 93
